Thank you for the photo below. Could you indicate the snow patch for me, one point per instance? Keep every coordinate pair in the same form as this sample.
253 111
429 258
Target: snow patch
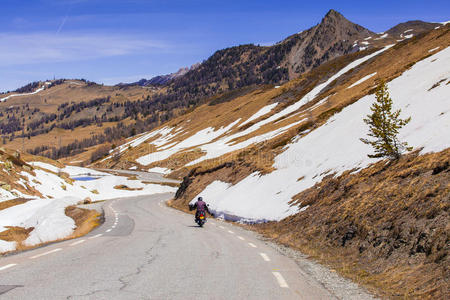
164 171
24 94
319 103
46 166
265 110
434 49
226 144
201 137
362 80
382 37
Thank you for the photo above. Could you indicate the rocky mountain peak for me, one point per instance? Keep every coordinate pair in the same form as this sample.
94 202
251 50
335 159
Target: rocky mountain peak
334 19
333 15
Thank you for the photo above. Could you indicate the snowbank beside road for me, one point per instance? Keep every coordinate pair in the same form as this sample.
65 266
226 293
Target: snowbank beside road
47 214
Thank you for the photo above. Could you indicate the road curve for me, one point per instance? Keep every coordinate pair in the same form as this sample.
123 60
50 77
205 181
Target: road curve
145 250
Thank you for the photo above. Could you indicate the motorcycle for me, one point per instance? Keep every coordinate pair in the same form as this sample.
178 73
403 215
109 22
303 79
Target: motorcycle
201 219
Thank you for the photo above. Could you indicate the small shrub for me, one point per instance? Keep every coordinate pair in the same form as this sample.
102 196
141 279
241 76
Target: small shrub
8 165
384 125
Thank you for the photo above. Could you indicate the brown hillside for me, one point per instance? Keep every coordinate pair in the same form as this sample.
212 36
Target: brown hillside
388 65
67 112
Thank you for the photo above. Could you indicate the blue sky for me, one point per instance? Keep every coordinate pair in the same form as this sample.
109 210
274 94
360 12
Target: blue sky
122 41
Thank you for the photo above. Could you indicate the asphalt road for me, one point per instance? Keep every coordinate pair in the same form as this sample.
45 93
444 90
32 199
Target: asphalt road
145 250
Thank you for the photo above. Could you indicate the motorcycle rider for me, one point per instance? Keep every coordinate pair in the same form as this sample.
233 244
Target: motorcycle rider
201 207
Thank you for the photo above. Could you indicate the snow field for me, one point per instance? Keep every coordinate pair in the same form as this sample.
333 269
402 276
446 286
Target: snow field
335 146
222 146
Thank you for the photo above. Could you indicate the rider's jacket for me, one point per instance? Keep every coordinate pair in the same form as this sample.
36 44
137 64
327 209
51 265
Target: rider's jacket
201 206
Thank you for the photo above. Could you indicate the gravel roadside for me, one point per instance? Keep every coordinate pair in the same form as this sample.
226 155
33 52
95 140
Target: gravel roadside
340 287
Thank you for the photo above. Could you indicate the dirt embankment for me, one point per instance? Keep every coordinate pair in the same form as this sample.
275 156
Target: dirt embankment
386 227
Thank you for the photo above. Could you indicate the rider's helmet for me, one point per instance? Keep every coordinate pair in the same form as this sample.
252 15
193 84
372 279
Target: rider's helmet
200 199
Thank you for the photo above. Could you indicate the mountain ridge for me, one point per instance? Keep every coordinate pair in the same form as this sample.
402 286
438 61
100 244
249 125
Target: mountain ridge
333 36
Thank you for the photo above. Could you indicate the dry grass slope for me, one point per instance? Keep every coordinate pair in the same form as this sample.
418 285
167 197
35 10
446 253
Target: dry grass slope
85 220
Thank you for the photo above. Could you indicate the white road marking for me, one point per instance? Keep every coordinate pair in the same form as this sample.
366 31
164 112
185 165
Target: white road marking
241 238
95 236
46 253
230 231
114 226
252 245
264 256
7 267
108 230
280 280
77 242
220 226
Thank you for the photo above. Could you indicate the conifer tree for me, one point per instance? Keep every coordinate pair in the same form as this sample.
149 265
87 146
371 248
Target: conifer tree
384 125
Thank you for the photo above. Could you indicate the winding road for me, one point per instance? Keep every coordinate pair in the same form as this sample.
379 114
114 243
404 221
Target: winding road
146 250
